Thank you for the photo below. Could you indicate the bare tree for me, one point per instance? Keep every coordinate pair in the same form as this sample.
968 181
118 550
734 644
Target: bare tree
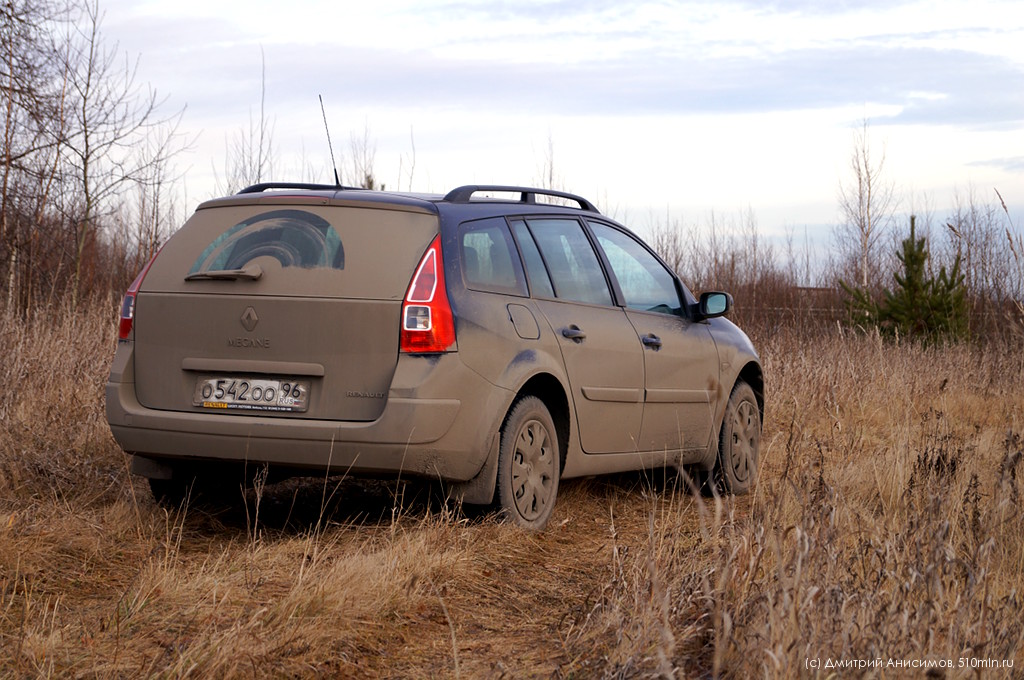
977 227
667 240
77 132
866 201
154 210
363 156
109 114
1016 242
412 161
29 105
549 177
798 267
249 156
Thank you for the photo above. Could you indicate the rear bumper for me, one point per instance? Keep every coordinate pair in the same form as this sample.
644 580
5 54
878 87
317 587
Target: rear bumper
420 435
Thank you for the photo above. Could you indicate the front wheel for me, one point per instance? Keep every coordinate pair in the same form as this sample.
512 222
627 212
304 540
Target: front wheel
528 464
739 444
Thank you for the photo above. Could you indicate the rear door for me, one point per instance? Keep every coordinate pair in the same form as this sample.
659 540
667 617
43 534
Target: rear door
284 307
603 359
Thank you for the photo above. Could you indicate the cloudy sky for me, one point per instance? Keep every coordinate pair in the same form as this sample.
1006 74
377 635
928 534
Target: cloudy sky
651 108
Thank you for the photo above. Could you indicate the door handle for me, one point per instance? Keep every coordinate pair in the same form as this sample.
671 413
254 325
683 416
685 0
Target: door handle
574 333
651 340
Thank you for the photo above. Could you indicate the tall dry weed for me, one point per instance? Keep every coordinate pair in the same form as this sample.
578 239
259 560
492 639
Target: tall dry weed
54 437
887 528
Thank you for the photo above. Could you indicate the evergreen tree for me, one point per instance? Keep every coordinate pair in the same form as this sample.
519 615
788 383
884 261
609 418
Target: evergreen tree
920 305
949 302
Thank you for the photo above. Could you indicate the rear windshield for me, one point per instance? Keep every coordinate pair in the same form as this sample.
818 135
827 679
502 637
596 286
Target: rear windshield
295 238
307 251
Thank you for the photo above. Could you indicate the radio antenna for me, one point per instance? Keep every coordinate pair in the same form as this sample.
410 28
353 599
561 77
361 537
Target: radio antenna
330 148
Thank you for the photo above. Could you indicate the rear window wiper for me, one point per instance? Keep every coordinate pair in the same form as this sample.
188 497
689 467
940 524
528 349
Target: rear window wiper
251 272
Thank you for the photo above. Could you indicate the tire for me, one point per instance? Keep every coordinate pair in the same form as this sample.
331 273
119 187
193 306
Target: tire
739 444
529 462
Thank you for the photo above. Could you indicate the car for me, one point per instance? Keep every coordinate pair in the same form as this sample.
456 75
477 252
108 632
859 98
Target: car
494 338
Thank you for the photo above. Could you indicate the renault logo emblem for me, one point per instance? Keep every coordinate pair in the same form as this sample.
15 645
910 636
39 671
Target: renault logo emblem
250 319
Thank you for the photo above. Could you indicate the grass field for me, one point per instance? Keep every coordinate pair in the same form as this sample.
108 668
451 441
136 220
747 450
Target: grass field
887 531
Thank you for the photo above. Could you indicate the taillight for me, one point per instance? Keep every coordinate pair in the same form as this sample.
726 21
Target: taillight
124 328
427 324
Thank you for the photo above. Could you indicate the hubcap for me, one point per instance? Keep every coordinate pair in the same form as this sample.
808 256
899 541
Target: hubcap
532 469
745 436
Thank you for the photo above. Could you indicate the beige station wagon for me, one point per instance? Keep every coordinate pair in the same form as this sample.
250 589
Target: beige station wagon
484 338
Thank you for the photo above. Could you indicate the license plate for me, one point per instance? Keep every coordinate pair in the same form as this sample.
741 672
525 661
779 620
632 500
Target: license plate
251 394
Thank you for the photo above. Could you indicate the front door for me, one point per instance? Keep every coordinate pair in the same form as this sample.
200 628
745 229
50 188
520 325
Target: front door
680 357
682 378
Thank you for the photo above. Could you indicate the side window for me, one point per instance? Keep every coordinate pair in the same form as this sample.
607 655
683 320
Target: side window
540 282
571 261
489 259
645 283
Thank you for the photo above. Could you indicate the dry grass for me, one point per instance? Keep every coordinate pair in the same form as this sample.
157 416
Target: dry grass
888 525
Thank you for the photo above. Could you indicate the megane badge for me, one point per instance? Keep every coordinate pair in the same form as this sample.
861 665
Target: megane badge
250 319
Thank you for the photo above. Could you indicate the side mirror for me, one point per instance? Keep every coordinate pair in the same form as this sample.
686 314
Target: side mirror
712 304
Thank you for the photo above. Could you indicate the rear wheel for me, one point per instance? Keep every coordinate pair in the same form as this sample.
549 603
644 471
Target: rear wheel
739 444
528 464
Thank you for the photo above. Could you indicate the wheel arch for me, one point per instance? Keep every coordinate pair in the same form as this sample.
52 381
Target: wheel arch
752 374
551 392
480 490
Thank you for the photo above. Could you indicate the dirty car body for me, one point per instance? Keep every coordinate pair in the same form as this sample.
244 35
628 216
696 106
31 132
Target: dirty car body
482 338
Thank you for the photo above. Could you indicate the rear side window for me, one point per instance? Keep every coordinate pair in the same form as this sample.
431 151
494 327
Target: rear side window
295 238
540 282
571 261
489 258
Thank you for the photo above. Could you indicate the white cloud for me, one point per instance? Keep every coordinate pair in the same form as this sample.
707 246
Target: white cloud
691 105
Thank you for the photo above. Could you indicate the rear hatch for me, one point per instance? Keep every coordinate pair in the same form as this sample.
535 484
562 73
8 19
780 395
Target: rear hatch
281 306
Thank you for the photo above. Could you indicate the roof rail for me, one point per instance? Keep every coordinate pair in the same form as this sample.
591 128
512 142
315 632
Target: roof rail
526 194
265 186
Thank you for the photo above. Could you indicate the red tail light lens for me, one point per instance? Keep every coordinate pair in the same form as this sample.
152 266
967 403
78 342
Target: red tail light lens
427 323
124 328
